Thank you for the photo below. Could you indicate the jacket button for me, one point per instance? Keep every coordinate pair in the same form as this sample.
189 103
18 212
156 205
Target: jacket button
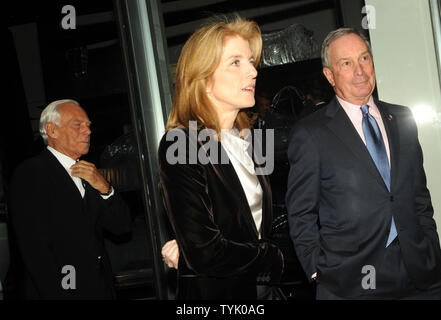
391 198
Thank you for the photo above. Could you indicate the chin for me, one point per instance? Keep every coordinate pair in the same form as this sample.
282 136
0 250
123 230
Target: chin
248 105
363 94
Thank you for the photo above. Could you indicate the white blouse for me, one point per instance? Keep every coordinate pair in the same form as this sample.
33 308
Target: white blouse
236 149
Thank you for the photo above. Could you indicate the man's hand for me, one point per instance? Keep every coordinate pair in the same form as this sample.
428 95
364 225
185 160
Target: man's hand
87 171
170 253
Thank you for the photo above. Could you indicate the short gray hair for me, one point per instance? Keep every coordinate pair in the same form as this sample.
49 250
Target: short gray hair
334 35
52 114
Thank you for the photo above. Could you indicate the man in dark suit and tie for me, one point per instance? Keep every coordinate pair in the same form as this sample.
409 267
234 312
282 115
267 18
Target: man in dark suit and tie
360 213
59 206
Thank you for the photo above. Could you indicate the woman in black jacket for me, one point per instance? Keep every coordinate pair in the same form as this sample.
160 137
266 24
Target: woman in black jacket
217 199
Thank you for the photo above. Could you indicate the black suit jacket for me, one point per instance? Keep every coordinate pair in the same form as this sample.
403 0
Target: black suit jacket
55 227
340 209
221 254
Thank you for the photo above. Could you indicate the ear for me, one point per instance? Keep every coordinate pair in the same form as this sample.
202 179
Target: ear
51 130
329 75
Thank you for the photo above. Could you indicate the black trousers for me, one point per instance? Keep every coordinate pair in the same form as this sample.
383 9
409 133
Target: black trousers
392 282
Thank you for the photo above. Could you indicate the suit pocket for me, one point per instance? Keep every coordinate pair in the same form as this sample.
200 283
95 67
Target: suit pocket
339 245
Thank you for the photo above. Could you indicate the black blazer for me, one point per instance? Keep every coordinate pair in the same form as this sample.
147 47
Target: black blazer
54 227
340 209
221 254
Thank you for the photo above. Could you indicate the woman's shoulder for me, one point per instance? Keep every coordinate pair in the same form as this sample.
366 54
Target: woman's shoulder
173 136
187 135
183 146
178 142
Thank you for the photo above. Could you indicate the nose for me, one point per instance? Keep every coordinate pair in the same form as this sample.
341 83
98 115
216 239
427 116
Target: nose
86 130
253 71
359 69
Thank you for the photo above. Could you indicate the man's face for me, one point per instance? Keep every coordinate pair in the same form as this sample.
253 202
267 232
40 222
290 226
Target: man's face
351 71
72 136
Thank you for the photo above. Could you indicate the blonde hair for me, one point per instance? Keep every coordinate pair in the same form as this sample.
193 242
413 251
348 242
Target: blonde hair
198 61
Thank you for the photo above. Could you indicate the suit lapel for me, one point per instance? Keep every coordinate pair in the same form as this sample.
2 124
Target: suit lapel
62 178
229 177
342 127
267 204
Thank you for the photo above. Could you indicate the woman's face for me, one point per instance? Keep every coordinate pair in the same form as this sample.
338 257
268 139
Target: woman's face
232 85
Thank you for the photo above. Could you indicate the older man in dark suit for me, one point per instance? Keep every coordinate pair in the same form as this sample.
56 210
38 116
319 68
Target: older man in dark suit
360 213
59 207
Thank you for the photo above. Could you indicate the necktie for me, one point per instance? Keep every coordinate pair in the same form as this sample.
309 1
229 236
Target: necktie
377 150
83 183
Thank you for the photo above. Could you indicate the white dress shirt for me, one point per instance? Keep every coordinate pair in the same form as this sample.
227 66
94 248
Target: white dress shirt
67 162
236 149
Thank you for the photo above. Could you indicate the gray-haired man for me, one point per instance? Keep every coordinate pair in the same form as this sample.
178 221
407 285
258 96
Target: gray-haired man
59 207
360 213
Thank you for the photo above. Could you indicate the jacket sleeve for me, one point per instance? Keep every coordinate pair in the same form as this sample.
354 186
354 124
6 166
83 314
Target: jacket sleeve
115 215
204 247
423 203
29 215
303 196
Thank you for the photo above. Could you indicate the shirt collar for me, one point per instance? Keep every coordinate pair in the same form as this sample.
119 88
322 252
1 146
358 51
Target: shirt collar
233 137
65 161
355 109
237 148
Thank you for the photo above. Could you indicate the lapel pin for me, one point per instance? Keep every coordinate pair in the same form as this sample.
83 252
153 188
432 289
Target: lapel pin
389 117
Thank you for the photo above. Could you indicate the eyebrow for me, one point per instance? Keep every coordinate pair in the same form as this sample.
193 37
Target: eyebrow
81 121
348 58
235 56
364 52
